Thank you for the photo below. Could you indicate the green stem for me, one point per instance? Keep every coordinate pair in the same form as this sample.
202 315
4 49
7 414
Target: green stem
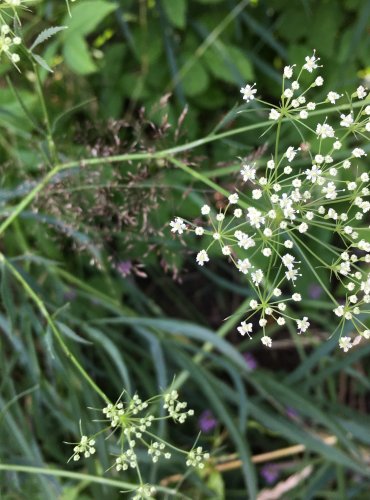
28 199
41 306
77 476
49 134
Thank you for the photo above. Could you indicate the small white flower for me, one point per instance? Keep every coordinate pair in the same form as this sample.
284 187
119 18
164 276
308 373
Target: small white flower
361 92
310 64
177 225
274 114
313 174
330 190
257 277
256 194
248 92
358 152
345 343
199 231
238 213
244 265
302 324
248 173
220 217
245 328
339 311
324 130
295 85
205 210
347 120
332 97
202 257
233 199
290 153
226 250
303 114
319 81
346 164
288 261
288 72
302 228
266 340
296 297
253 304
255 217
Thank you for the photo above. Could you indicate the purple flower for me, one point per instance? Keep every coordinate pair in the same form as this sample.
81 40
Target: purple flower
70 295
207 421
270 473
124 268
291 412
250 360
314 291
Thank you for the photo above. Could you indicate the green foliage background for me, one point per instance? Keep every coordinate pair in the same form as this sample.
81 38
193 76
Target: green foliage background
124 72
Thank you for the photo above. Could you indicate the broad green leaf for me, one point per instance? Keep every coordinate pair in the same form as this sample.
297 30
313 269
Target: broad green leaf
196 80
77 55
216 484
86 16
229 64
330 20
176 12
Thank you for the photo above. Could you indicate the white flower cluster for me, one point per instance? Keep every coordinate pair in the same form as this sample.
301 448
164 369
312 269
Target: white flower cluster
144 492
157 450
270 226
134 428
197 457
127 459
8 42
175 408
85 447
114 413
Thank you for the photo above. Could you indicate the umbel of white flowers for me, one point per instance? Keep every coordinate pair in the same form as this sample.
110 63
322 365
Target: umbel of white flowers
132 423
281 205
